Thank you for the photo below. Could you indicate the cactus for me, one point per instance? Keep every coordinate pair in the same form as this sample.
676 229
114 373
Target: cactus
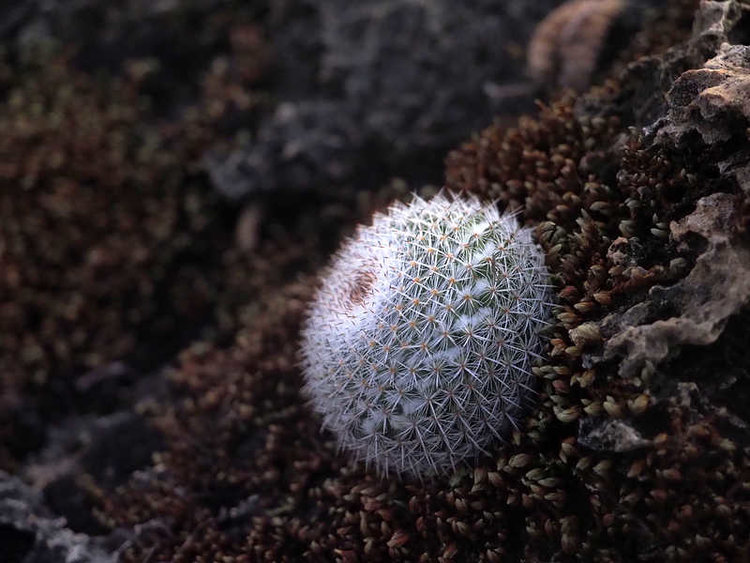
417 350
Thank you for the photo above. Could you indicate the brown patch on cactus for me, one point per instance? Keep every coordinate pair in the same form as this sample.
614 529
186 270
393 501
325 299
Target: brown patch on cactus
363 281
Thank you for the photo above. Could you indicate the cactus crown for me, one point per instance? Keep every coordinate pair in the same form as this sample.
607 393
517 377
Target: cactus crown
417 350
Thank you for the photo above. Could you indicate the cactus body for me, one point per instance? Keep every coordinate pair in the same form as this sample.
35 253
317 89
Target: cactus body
418 347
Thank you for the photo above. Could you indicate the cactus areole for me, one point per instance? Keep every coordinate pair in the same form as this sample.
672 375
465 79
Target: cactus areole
418 347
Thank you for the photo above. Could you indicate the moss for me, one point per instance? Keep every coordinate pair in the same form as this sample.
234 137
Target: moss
110 233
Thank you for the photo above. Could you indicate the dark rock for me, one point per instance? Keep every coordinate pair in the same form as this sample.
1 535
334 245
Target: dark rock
120 444
722 372
301 143
83 450
178 38
391 86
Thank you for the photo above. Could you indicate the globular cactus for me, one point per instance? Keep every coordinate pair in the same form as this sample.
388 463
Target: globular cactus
418 347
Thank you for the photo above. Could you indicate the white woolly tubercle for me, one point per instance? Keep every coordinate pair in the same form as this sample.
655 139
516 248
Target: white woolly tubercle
418 347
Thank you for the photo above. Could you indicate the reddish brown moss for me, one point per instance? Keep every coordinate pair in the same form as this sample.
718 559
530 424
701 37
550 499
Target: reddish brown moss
110 234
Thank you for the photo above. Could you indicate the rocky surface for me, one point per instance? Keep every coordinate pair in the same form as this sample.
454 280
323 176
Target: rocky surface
699 305
653 256
393 85
29 532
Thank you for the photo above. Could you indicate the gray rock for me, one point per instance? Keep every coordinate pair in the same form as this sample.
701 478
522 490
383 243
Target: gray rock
708 103
30 534
609 435
716 288
396 82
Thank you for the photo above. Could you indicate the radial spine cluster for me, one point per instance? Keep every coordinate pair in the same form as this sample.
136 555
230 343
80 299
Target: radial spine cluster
418 347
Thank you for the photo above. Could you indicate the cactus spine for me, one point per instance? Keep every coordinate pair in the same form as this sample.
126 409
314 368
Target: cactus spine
418 347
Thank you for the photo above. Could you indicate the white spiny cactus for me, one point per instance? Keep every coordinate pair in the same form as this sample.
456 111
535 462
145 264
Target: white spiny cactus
418 348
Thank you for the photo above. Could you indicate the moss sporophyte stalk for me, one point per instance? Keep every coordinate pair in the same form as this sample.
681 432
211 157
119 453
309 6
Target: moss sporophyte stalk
417 350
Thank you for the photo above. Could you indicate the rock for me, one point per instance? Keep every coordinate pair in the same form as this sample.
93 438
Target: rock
397 83
86 449
569 44
177 38
714 102
706 107
30 534
645 82
609 435
296 147
716 288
